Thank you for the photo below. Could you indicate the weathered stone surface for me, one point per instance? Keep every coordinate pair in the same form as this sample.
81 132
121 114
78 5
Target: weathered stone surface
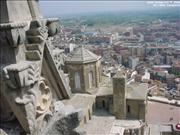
11 11
27 91
84 70
65 121
32 47
53 26
6 114
13 34
30 77
119 95
33 55
21 80
50 70
79 131
58 106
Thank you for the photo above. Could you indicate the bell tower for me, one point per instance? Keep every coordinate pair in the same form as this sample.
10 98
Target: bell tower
119 95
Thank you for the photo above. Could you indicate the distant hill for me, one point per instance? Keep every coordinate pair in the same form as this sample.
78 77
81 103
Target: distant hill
122 18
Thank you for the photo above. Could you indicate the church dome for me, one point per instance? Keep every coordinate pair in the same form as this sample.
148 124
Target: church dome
82 55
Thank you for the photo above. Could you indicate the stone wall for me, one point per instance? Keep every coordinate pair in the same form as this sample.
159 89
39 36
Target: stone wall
105 102
137 109
84 70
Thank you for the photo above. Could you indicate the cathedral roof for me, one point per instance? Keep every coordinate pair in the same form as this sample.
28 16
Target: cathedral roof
82 55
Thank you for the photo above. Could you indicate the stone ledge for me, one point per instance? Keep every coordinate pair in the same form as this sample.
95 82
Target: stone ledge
14 25
164 100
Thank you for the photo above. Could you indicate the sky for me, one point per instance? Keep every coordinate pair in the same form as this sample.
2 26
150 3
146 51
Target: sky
76 7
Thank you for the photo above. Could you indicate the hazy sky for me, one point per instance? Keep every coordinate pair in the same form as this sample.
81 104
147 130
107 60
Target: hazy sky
76 7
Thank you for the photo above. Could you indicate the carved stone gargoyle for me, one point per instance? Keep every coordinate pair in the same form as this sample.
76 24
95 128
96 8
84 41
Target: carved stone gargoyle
28 97
21 92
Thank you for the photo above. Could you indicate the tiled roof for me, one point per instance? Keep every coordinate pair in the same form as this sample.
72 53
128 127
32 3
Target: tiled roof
82 55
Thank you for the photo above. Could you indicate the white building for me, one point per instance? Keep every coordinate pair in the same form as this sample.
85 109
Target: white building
133 61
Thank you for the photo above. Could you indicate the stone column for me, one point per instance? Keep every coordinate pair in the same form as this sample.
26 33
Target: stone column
119 95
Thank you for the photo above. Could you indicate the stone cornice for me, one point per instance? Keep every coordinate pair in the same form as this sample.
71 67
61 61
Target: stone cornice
14 25
50 20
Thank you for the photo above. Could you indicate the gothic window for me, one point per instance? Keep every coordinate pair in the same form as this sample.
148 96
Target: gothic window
90 79
77 81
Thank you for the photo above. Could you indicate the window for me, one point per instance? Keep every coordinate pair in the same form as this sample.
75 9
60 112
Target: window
90 79
128 109
103 104
77 81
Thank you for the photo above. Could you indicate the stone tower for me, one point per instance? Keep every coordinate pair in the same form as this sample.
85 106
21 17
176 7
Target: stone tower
84 68
119 95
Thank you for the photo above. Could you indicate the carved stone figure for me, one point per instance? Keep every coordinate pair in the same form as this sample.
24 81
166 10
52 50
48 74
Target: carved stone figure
30 79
